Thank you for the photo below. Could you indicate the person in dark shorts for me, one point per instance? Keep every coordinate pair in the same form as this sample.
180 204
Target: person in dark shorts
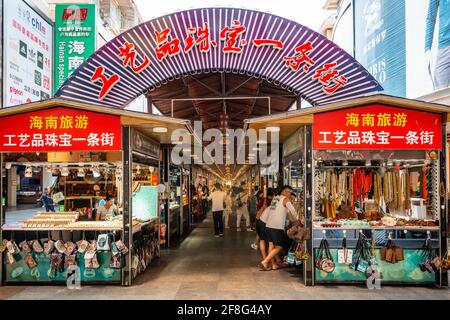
275 225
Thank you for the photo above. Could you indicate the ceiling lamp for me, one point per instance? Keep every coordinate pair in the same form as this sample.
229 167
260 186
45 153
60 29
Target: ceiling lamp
159 129
80 173
273 129
65 172
8 165
96 172
28 172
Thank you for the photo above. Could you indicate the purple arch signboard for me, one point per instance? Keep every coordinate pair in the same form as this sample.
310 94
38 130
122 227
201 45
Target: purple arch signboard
219 40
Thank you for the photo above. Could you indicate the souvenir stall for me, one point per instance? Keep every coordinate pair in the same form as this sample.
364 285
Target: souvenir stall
145 204
372 180
102 185
379 195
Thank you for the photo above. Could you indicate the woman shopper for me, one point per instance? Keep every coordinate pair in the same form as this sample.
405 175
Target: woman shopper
275 225
228 209
47 200
242 209
218 198
261 219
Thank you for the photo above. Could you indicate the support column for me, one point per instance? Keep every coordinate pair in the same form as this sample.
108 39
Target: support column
443 199
2 216
298 103
308 266
149 105
127 237
166 168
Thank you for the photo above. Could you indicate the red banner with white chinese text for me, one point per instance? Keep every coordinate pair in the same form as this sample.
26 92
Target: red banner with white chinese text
60 129
377 127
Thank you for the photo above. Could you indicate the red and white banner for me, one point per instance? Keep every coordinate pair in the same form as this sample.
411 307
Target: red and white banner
377 127
60 129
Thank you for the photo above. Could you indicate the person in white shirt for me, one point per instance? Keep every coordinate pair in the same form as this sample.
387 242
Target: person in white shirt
218 198
228 209
242 208
275 225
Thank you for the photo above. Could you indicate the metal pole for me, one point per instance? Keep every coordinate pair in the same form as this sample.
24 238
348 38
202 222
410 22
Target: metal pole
270 106
308 173
127 237
2 216
171 107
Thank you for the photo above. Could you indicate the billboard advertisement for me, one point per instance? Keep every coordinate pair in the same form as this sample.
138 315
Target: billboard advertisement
28 51
404 44
75 38
380 42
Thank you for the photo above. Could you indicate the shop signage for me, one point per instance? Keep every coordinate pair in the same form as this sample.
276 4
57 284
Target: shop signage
28 50
75 38
145 145
294 143
377 127
218 39
60 129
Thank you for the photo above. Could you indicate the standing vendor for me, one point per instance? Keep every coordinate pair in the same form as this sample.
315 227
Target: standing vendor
107 211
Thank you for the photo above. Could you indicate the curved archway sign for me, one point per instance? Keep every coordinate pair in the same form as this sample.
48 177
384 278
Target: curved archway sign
218 40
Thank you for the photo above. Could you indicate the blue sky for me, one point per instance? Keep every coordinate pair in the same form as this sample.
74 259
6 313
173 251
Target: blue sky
306 12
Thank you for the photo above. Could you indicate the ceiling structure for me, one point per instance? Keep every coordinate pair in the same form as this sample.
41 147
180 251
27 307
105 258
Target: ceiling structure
205 97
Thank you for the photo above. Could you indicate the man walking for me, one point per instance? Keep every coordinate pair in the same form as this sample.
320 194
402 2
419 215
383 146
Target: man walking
218 198
242 208
275 225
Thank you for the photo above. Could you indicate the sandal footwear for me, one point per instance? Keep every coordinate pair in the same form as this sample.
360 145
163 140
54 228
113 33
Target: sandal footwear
264 268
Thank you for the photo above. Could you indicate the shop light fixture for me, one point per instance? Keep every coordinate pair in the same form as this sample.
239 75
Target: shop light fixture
96 172
8 165
368 163
159 129
28 172
65 171
261 142
345 163
273 129
81 173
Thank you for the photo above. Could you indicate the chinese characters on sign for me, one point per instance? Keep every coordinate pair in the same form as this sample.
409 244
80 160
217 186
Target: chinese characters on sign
60 129
233 38
28 51
75 38
377 127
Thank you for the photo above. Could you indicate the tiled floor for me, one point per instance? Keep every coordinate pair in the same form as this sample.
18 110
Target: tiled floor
205 267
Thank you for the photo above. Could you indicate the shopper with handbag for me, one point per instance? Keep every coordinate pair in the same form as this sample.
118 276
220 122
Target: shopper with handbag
218 199
47 200
275 225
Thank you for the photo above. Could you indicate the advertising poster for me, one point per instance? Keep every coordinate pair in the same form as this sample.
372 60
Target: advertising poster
28 50
75 38
380 42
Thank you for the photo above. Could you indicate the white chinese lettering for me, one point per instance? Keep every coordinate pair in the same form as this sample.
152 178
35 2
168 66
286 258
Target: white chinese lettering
354 138
383 137
51 140
325 134
37 141
93 140
412 138
65 140
339 135
10 140
24 139
108 139
368 137
426 137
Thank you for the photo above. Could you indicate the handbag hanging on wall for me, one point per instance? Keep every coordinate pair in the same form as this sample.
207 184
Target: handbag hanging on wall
345 255
324 259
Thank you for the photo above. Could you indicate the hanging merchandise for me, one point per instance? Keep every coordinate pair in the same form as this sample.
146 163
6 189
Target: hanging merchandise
30 262
390 252
25 247
70 260
446 261
345 255
12 248
49 246
324 259
428 255
103 242
362 255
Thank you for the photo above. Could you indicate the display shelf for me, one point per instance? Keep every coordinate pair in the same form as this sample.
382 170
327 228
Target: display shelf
90 182
83 197
377 228
20 228
138 228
